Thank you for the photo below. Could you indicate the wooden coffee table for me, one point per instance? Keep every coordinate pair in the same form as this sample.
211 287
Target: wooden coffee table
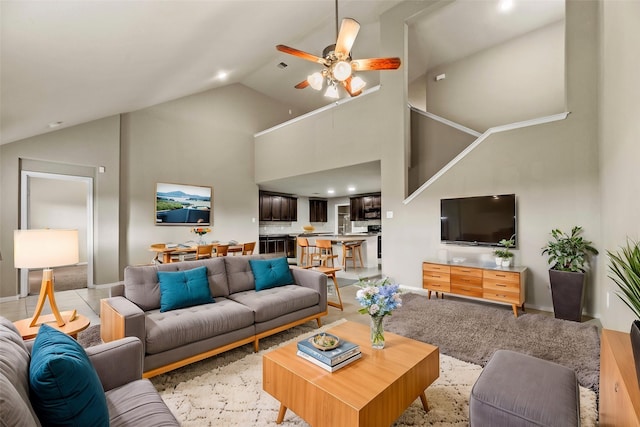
372 391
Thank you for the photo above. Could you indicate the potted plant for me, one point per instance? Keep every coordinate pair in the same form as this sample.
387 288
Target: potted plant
505 254
569 256
624 270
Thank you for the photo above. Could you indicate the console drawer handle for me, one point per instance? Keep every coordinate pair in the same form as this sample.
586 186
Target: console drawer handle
500 275
501 285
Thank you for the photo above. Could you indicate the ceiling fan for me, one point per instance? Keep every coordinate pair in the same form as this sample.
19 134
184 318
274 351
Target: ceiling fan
339 67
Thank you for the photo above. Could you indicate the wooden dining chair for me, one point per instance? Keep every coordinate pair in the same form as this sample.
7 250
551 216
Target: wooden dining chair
158 258
324 253
222 250
248 248
204 251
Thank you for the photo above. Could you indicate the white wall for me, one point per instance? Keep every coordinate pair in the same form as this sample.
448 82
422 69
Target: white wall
552 168
620 146
518 80
55 203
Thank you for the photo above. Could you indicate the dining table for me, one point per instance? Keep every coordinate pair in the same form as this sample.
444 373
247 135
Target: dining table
182 250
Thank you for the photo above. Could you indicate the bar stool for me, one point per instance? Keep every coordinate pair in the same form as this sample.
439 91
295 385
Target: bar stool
324 253
352 251
305 251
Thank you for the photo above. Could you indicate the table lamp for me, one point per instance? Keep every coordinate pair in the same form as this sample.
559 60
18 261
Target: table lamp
45 249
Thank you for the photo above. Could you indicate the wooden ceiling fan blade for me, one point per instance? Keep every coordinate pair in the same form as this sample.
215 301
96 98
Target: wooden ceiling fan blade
347 86
375 64
347 36
301 54
302 84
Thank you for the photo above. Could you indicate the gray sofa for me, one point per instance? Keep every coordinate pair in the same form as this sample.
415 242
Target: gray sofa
240 314
131 400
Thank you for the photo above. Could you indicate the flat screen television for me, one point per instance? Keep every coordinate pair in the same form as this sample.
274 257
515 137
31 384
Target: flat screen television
478 221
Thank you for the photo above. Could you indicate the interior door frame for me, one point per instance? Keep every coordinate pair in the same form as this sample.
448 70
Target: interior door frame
24 218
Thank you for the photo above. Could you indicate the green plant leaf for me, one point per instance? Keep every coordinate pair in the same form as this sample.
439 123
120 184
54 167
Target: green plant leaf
568 252
624 270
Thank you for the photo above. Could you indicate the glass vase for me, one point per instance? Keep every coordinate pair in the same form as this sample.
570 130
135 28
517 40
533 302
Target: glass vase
377 332
201 241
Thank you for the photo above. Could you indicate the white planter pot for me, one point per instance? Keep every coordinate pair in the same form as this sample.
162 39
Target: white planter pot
506 262
498 261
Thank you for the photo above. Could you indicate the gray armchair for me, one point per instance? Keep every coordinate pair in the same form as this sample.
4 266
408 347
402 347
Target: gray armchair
131 400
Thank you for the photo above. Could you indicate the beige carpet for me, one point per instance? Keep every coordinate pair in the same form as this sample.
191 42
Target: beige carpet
227 390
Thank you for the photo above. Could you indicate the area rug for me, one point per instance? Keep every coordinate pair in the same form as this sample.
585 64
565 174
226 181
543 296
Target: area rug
217 393
473 331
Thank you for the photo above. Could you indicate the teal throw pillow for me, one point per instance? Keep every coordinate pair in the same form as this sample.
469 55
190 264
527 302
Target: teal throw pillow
269 273
64 385
180 289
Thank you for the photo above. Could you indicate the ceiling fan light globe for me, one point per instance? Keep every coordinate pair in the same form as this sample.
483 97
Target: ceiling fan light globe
332 92
357 84
315 80
341 71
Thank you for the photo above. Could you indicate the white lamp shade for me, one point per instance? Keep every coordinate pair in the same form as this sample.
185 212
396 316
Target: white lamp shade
315 80
357 84
341 71
332 92
45 248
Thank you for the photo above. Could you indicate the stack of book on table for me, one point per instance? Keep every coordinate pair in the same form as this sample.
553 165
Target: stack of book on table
330 360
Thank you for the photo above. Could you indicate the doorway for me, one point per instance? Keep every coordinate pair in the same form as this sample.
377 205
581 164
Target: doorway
50 200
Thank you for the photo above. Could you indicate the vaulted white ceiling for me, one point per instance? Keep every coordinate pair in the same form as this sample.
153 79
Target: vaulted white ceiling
75 61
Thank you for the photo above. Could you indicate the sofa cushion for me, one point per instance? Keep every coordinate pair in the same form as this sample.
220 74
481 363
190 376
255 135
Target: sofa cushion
65 388
239 272
141 284
269 273
275 302
138 404
180 289
171 329
15 406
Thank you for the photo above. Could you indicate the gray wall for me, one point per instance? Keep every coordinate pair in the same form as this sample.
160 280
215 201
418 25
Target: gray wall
204 139
72 150
620 145
433 145
517 80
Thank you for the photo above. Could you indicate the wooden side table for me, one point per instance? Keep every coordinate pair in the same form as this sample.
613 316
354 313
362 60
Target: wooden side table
72 327
331 273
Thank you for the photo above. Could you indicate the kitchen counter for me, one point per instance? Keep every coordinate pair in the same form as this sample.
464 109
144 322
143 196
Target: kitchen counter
369 246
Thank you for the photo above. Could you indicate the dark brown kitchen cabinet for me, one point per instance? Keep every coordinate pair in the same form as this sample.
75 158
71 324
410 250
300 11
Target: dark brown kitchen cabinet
317 210
366 207
278 207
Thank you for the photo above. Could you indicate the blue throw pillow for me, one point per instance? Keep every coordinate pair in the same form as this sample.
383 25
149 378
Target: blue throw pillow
269 273
64 385
180 289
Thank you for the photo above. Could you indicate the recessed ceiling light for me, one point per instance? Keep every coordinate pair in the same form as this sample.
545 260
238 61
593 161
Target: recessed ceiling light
222 75
53 125
351 189
505 6
330 191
